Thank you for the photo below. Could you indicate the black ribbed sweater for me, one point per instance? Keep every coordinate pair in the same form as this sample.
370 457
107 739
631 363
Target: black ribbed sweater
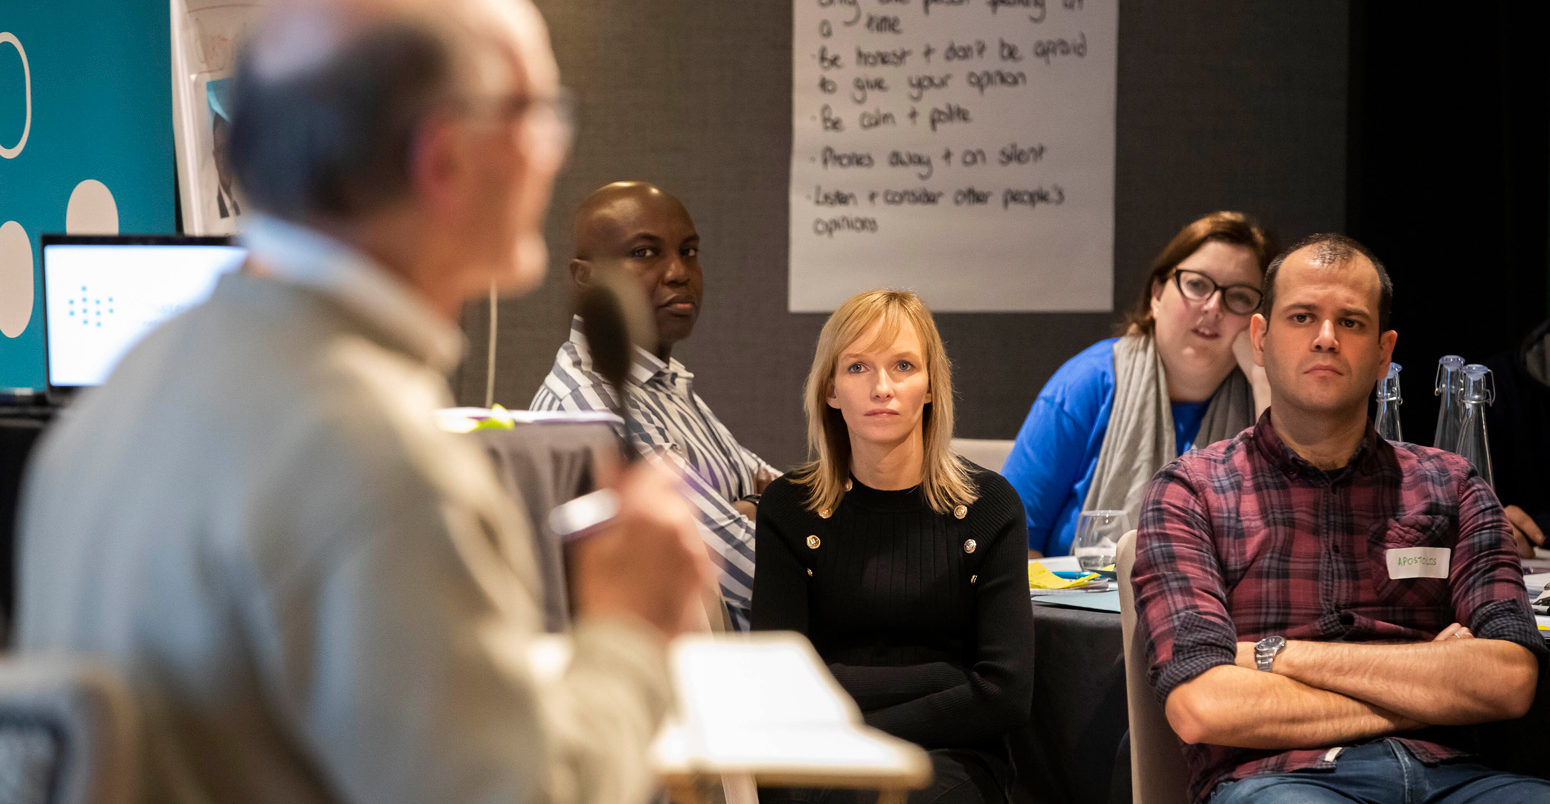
934 642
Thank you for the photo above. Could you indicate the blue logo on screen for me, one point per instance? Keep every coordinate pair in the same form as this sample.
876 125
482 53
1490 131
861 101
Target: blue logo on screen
89 309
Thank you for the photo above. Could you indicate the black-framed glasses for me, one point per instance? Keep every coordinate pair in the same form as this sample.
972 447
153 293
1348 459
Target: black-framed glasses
1196 286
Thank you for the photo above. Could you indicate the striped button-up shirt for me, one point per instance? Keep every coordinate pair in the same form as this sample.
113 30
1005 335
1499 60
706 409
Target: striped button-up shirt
669 419
1244 539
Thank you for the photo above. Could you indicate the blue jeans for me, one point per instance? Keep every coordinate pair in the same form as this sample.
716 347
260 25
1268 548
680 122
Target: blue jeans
1383 773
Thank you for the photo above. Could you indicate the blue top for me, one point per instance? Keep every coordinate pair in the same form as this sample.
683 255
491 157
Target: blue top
1053 459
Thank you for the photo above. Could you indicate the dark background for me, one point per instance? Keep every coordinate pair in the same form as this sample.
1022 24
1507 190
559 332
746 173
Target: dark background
1449 180
1421 133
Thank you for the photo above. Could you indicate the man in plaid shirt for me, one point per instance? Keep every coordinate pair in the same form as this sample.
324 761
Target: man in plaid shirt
1322 604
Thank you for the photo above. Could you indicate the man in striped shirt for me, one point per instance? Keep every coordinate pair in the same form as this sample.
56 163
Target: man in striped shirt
1321 606
648 234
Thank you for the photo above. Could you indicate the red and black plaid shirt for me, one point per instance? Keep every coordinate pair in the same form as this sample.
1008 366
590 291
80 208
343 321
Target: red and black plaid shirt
1244 539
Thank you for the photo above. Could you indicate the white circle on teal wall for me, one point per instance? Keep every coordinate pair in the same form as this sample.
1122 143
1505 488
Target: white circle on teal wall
15 279
11 152
91 210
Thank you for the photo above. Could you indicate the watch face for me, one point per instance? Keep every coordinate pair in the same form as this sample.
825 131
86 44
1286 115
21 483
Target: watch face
1266 649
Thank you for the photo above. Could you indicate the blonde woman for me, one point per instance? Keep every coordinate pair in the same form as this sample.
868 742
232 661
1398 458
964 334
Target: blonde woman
903 563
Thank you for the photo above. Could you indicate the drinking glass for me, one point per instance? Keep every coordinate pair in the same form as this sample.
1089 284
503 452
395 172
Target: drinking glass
1097 537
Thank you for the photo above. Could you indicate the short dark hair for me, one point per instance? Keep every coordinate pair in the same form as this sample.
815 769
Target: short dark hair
332 140
1333 249
1233 228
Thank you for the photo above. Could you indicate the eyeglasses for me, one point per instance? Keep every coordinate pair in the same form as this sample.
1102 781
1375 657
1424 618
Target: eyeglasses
1196 286
557 108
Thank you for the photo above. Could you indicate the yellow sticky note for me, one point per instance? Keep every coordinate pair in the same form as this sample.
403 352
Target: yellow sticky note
500 419
1040 577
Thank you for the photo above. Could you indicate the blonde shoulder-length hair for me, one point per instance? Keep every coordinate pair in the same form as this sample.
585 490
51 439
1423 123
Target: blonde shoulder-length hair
945 479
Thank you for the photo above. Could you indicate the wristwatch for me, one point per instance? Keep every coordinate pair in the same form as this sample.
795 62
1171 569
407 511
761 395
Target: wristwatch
1266 649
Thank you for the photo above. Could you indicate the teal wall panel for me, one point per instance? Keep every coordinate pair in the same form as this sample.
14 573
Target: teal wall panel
99 129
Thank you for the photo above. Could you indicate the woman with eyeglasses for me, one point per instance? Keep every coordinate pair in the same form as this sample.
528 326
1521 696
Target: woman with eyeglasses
1181 373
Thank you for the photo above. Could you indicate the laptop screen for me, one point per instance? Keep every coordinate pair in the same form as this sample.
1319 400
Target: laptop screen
102 294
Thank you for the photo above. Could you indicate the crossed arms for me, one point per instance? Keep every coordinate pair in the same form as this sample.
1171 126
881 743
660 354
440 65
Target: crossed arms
1326 693
1322 693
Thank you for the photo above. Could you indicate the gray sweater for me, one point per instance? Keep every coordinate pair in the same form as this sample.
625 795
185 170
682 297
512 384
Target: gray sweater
317 595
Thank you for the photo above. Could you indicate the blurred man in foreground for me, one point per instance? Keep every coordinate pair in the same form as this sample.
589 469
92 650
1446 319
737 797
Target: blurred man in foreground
316 595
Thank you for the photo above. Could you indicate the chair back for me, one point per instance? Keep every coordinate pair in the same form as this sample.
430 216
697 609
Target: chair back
69 733
990 453
1158 774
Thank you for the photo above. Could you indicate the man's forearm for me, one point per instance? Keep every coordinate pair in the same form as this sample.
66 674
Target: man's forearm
1452 682
1230 705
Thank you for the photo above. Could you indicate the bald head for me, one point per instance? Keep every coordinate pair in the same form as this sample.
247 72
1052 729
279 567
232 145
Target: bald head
636 228
604 210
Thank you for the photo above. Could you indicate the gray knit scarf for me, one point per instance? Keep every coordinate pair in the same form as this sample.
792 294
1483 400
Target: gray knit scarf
1140 440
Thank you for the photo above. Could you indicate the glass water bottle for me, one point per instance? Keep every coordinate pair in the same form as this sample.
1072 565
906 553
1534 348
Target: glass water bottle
1478 393
1450 380
1388 405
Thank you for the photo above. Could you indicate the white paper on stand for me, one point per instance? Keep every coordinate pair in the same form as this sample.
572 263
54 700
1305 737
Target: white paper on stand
800 723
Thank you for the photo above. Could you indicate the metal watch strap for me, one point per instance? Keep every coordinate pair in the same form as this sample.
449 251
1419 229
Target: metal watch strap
1266 650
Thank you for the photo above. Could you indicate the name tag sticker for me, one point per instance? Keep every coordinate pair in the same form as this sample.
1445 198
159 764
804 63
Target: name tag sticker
1418 562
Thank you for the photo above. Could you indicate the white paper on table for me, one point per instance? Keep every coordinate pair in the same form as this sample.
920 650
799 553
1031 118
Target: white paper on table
1060 563
1107 600
462 420
1540 563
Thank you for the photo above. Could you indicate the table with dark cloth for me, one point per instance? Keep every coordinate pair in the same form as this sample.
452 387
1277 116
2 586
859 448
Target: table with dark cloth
1074 748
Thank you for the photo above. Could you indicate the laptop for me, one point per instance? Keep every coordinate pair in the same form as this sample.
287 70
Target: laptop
103 293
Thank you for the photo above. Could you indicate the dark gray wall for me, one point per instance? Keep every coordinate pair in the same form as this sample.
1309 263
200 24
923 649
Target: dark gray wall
1238 105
